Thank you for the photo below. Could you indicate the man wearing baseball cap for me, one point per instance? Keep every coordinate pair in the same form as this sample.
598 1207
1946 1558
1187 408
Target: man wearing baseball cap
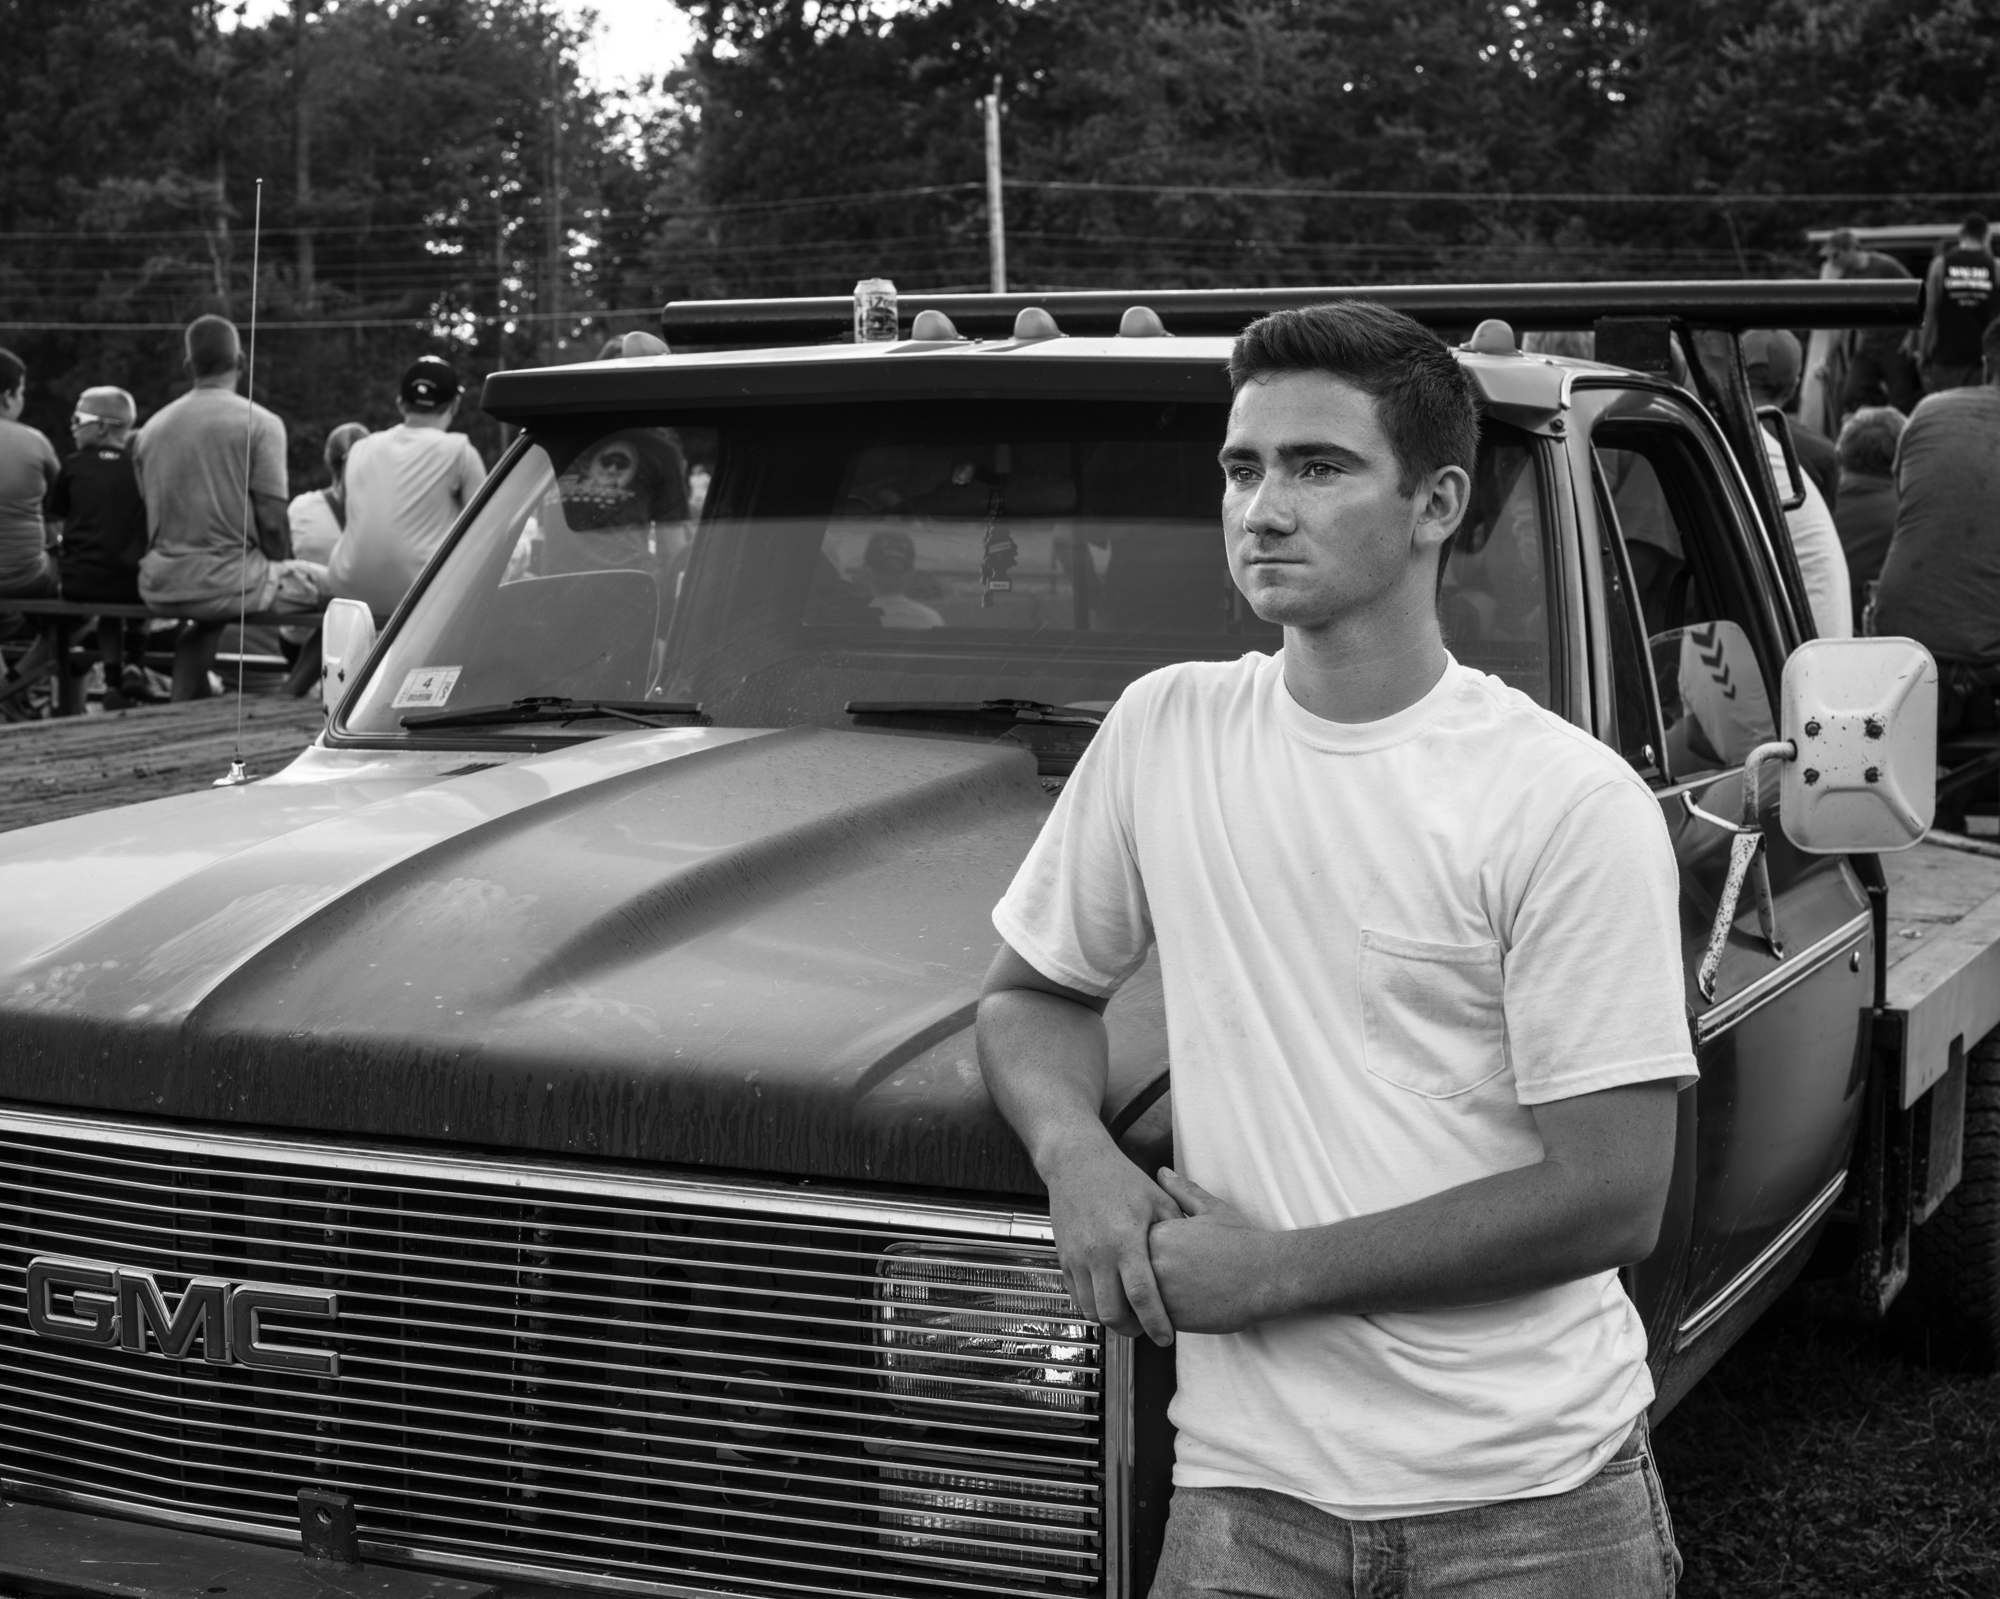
96 500
405 488
1771 359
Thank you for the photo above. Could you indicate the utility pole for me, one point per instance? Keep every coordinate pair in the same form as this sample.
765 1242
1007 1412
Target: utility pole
996 212
554 199
302 152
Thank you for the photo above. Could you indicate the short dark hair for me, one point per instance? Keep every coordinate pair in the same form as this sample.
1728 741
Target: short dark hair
1974 226
212 346
1426 402
1868 440
13 371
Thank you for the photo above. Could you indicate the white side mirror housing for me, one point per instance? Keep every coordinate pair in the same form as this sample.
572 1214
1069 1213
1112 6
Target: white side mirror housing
1862 716
345 638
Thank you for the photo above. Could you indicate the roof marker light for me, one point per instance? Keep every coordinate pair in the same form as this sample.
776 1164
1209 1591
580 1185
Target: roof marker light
1141 322
1035 323
1493 337
933 327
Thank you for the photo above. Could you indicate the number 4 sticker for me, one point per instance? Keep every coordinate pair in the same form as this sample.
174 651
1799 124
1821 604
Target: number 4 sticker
427 685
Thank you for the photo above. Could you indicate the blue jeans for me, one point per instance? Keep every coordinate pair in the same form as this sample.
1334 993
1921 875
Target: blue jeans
1608 1539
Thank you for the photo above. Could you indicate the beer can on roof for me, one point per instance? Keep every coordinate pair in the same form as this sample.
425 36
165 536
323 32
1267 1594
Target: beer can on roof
874 311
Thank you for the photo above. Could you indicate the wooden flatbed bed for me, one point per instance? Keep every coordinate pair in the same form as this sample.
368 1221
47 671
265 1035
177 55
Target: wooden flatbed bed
1943 952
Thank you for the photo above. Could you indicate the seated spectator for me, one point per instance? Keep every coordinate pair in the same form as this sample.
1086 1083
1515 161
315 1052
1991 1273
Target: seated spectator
28 468
1866 515
1773 361
96 501
1940 582
405 488
319 516
204 560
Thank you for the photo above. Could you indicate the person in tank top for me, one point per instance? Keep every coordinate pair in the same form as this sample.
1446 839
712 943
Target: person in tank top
1961 296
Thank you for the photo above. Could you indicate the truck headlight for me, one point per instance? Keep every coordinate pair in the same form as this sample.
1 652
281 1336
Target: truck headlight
984 1345
980 1335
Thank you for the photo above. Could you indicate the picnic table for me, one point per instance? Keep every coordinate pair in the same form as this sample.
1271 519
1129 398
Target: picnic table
72 664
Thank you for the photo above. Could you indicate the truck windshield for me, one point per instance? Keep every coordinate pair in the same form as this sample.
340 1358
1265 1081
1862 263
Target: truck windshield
777 565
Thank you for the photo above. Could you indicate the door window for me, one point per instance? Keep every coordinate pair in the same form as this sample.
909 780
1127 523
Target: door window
1670 539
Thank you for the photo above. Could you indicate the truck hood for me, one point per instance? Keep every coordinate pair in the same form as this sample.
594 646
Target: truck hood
726 948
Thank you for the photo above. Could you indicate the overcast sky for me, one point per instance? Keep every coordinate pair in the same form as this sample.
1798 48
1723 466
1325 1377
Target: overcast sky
635 39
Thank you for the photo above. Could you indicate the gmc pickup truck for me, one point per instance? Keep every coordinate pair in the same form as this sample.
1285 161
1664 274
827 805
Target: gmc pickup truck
533 1143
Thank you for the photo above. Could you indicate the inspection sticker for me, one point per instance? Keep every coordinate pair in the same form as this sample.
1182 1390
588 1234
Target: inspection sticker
427 685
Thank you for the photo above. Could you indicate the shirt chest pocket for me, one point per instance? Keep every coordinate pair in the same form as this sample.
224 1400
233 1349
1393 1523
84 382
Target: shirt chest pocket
1432 1015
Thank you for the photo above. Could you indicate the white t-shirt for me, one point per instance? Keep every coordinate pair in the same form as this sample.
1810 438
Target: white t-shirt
1822 560
405 488
315 529
1381 944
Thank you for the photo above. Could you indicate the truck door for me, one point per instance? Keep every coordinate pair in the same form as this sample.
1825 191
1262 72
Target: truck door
1696 631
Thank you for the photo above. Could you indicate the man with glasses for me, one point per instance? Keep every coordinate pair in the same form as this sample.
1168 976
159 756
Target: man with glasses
405 488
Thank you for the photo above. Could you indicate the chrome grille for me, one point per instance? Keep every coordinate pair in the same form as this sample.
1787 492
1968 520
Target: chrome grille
646 1383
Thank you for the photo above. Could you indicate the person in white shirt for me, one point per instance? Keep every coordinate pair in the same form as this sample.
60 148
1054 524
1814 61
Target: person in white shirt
405 488
1771 362
1420 942
318 516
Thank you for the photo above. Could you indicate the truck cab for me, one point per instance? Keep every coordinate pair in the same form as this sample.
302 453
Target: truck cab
534 1140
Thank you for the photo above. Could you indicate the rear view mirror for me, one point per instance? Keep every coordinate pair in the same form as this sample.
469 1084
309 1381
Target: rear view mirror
1862 716
345 638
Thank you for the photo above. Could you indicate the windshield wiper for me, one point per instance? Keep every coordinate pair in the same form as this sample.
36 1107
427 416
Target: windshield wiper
554 708
980 711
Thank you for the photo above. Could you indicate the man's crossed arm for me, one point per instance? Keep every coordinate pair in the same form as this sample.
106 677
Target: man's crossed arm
1153 1256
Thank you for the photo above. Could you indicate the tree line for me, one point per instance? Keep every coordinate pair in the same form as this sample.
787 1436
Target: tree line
437 176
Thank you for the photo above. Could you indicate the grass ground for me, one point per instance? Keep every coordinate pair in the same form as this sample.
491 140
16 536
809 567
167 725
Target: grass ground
1825 1461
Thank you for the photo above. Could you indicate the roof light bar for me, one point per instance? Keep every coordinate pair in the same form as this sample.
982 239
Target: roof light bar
1454 308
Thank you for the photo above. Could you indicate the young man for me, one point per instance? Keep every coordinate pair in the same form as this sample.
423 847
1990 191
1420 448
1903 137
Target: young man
96 500
203 560
1961 295
1421 948
405 488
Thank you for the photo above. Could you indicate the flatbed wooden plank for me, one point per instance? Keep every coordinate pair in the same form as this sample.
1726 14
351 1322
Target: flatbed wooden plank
1943 955
78 764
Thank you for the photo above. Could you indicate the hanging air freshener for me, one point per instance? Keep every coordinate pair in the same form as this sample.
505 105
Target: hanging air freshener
997 550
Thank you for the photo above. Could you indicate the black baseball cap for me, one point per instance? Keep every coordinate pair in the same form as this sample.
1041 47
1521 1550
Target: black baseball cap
429 384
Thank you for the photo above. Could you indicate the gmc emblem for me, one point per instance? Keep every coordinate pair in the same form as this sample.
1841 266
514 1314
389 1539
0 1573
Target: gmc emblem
89 1302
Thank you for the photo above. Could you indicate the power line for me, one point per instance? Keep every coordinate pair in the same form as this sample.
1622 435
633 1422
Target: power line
1493 196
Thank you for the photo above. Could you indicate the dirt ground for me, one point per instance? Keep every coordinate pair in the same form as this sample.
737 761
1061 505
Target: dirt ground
1825 1461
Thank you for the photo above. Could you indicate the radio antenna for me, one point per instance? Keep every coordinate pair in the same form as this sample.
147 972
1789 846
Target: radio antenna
236 773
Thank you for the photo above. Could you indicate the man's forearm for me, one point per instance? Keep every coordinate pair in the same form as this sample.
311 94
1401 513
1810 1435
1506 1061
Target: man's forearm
1591 1205
1045 1062
1495 1238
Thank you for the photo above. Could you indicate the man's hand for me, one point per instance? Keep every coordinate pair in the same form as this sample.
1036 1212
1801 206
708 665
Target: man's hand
1042 1049
1215 1266
1103 1208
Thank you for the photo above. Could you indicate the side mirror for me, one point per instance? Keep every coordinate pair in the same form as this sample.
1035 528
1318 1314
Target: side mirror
1857 769
1861 715
345 638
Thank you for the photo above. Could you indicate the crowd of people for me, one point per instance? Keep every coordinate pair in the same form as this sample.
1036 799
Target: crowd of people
1905 496
191 517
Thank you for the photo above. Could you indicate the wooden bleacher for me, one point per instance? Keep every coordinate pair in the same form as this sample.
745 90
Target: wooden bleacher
82 650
